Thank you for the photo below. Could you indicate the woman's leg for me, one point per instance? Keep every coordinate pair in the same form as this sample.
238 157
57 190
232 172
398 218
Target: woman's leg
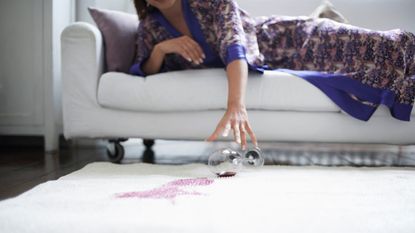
379 59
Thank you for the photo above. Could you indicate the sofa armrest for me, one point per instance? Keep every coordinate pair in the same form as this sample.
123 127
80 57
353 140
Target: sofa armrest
82 66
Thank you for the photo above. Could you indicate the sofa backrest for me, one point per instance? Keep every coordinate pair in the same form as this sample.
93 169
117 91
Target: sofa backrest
371 14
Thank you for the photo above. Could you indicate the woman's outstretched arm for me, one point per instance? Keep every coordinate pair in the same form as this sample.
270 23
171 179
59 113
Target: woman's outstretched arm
236 116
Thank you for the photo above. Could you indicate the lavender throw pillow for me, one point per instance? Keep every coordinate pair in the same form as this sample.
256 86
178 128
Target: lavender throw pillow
119 30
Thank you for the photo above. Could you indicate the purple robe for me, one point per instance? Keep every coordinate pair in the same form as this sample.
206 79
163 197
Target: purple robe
357 68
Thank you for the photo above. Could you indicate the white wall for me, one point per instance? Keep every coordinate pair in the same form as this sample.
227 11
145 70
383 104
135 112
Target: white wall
30 93
21 67
372 14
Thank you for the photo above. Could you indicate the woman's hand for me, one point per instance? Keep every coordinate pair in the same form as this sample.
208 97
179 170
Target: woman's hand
235 118
184 46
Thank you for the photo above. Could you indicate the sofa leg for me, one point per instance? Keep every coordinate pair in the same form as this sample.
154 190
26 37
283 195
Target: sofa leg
148 155
148 143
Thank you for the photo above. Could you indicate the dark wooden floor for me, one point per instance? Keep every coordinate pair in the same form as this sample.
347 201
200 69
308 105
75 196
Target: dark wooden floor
25 166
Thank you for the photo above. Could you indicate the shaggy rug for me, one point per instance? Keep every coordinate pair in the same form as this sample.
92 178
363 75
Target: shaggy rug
104 197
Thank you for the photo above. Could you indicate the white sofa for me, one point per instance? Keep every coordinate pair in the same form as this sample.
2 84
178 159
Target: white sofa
187 105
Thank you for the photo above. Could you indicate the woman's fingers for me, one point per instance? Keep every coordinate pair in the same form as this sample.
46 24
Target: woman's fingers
186 47
236 132
226 130
216 133
243 136
241 129
184 52
186 55
190 51
193 49
213 136
198 50
251 133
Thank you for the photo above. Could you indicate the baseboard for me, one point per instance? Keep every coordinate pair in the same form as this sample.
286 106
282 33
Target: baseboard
21 141
38 142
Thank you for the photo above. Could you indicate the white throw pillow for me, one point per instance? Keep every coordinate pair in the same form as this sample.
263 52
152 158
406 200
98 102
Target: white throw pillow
327 10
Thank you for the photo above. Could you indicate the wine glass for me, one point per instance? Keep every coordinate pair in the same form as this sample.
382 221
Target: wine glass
253 158
225 162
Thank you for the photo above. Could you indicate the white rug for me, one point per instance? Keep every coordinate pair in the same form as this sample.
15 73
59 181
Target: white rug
104 197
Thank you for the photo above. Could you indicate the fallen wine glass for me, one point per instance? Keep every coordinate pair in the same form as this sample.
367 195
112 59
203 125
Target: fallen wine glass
226 162
253 158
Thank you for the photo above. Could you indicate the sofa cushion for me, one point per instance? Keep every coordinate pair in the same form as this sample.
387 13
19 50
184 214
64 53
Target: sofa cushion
195 90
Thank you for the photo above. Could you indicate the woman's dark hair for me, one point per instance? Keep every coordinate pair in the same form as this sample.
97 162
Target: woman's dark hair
142 8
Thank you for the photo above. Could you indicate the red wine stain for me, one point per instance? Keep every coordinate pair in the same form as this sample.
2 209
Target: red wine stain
170 190
226 174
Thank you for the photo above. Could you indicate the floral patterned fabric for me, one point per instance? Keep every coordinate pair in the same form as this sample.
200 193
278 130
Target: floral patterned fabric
368 67
381 62
380 59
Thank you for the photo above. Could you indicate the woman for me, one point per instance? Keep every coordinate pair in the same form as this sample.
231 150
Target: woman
358 69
